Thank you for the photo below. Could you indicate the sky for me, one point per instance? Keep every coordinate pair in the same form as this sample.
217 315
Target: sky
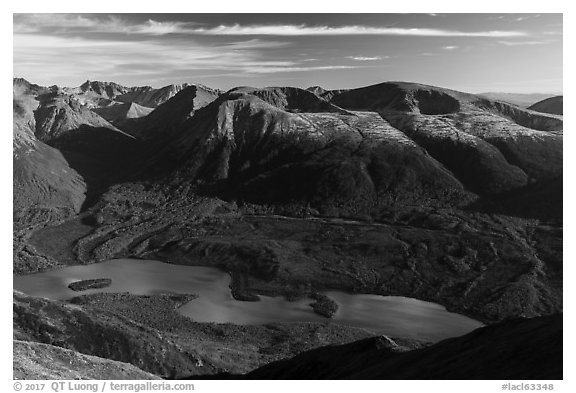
515 53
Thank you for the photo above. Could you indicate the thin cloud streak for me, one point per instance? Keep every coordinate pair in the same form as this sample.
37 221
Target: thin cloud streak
303 30
35 23
257 44
361 58
112 24
520 43
274 70
114 57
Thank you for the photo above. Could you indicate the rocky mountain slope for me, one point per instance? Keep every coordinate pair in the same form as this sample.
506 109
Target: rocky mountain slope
60 116
97 333
552 105
42 361
21 87
45 186
365 147
158 126
513 350
120 112
468 134
288 146
152 98
63 154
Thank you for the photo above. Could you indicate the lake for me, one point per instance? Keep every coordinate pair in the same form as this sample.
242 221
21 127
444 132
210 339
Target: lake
391 315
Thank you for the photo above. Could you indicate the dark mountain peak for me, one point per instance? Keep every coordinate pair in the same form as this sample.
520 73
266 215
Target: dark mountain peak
254 144
172 109
99 84
60 113
290 99
176 88
22 86
151 97
417 98
209 89
108 90
20 81
402 96
184 101
318 90
552 105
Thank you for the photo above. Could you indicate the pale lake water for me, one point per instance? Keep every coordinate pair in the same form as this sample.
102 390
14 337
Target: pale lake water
390 315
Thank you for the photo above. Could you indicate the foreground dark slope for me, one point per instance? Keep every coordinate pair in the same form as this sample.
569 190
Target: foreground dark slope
523 349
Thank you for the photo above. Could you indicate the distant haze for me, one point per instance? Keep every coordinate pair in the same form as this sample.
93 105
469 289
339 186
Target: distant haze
514 53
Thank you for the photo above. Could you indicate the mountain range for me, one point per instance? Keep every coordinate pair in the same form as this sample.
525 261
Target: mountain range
391 189
523 100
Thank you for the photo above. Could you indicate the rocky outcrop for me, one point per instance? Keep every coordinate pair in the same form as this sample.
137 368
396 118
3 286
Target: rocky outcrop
22 87
109 90
33 360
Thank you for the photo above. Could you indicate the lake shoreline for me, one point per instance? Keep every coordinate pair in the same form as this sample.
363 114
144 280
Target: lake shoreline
216 302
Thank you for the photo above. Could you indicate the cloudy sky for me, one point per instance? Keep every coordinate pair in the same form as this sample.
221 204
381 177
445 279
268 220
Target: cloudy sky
469 52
